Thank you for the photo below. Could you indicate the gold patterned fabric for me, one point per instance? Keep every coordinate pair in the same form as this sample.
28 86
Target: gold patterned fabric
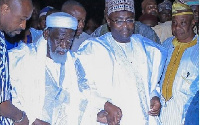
180 9
173 66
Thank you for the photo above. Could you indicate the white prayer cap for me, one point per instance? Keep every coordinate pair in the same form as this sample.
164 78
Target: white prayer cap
119 5
61 20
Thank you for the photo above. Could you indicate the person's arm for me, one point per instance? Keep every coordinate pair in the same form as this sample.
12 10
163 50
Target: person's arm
95 78
157 56
10 111
7 109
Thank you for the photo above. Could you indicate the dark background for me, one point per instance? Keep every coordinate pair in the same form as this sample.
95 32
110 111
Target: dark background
93 7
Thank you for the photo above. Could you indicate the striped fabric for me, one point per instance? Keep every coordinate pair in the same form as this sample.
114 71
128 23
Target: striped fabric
4 77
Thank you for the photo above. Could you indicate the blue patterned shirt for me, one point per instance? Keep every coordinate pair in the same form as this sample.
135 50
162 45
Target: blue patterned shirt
5 86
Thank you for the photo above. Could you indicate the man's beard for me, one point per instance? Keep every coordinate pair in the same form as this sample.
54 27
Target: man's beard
56 57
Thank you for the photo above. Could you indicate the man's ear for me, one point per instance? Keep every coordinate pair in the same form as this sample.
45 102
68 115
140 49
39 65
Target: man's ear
45 34
108 21
4 9
142 11
193 22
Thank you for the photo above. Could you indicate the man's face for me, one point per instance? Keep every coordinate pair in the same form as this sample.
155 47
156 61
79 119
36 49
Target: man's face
80 14
59 41
151 8
36 11
15 16
165 15
122 25
182 26
42 22
195 9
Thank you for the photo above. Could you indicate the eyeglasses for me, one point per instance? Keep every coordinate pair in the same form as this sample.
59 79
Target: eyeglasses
120 22
58 42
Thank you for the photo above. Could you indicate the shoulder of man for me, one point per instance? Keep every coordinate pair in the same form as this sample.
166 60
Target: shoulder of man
20 50
146 31
147 43
94 43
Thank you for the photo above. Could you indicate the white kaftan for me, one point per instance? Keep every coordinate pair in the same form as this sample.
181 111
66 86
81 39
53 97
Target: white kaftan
124 73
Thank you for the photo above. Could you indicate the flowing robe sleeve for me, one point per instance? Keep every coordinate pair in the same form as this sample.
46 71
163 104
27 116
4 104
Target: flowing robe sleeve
91 55
27 79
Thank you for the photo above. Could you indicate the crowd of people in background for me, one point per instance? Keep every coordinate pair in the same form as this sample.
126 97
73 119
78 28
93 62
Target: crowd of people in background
66 66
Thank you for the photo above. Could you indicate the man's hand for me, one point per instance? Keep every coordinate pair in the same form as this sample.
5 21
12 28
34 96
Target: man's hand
114 114
7 109
25 121
40 122
155 106
101 117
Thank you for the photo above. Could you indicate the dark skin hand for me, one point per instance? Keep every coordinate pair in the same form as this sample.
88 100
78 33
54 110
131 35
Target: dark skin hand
101 117
114 114
25 121
7 109
155 106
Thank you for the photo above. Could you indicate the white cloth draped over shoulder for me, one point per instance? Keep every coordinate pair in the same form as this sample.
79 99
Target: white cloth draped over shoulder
27 79
78 41
109 68
28 70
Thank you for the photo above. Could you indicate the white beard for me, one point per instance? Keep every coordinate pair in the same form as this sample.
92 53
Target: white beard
56 57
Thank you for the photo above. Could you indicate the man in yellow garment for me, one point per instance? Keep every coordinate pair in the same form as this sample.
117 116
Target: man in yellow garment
180 80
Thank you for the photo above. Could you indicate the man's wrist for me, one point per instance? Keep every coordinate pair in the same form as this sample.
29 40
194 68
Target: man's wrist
22 118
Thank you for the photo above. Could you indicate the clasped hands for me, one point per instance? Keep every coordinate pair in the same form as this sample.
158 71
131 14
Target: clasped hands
110 115
113 114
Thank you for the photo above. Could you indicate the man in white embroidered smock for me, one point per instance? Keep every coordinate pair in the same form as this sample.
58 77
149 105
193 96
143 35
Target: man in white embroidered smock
180 80
124 69
47 76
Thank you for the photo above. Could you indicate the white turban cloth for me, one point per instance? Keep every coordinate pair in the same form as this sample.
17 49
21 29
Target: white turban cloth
61 20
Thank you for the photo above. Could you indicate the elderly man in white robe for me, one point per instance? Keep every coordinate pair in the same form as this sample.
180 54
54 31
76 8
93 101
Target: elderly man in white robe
46 77
123 68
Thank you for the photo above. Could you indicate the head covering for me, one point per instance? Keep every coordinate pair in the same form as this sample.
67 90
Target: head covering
180 9
45 10
165 5
146 2
61 20
118 5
